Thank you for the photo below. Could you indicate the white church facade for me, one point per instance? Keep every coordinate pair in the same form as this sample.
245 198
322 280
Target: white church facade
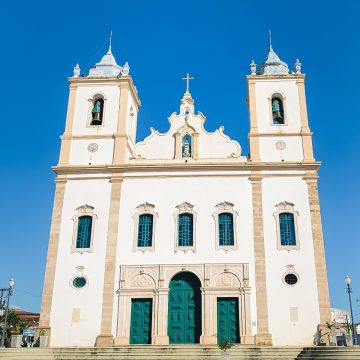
179 238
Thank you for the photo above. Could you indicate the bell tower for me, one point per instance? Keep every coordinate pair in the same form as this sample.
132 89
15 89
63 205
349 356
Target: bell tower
279 129
101 116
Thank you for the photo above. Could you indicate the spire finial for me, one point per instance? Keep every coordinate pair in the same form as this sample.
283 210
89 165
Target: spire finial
270 42
110 39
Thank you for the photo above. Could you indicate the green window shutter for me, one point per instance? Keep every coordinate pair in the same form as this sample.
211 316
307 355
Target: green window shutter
287 229
145 230
83 239
226 229
185 230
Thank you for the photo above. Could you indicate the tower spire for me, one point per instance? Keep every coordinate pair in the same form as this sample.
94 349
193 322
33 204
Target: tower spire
270 42
110 40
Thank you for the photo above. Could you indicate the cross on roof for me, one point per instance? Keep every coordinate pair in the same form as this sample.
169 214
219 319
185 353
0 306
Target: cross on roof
187 78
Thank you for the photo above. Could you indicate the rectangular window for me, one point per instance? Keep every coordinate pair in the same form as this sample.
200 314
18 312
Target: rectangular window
226 229
83 238
145 230
185 229
287 229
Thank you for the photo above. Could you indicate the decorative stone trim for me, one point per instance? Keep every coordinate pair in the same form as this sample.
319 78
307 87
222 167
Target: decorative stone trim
153 281
290 270
283 99
286 207
83 210
91 103
145 208
183 208
225 207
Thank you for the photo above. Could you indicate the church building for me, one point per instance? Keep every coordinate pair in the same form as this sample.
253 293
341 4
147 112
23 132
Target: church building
179 238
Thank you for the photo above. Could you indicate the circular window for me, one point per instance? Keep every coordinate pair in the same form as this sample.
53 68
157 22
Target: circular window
291 279
79 282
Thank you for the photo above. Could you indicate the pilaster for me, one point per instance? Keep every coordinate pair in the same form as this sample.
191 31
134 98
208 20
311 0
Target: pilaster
121 136
318 243
161 336
52 256
262 337
106 338
66 137
254 140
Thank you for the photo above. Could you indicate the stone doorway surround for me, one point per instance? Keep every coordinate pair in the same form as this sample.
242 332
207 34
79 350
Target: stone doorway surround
152 281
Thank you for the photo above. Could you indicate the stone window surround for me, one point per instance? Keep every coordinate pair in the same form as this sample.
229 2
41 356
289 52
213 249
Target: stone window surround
91 102
144 208
283 98
186 129
286 207
225 207
83 210
187 208
290 270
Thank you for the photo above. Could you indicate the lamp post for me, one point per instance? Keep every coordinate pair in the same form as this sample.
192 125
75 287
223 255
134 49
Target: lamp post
348 290
9 292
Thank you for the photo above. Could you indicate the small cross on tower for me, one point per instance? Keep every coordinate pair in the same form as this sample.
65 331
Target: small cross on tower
187 78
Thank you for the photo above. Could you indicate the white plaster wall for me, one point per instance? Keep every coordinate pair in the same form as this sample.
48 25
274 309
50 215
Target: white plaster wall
281 296
292 152
79 154
202 192
264 89
89 299
111 93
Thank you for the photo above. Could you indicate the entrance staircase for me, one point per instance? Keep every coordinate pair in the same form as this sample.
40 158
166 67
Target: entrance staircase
143 352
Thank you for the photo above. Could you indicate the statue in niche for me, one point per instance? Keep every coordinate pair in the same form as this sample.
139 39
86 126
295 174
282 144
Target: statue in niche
186 146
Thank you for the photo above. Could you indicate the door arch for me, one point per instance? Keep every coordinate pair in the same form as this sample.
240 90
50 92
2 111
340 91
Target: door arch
184 317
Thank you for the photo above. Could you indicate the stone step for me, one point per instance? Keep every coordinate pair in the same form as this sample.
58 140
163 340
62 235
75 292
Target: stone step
197 352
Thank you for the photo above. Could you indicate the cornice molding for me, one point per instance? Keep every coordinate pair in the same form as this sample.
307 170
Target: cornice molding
268 134
151 167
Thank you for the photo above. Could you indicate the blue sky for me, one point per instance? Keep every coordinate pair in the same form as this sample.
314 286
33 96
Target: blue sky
212 40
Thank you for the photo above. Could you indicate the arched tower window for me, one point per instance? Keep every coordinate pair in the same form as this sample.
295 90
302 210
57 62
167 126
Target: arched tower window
277 109
97 112
186 149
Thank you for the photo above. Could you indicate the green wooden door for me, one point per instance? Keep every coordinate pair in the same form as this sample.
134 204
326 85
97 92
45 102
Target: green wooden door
140 327
184 323
228 319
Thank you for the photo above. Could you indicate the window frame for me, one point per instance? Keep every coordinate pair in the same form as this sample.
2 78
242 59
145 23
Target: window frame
286 207
290 271
225 207
283 99
143 209
185 208
83 210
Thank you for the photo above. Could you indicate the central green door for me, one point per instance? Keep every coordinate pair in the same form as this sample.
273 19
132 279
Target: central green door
140 326
184 323
228 319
